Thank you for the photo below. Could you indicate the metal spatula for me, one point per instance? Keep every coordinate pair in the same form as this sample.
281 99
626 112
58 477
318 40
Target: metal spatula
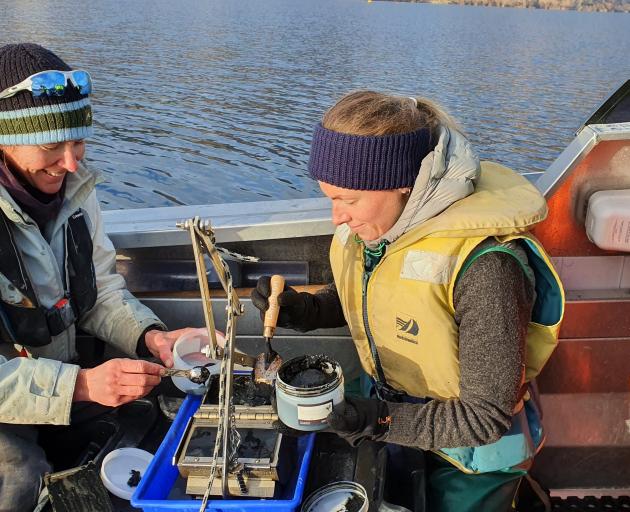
268 363
196 374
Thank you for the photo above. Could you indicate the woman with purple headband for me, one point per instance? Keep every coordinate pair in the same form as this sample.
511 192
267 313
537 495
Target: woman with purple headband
453 306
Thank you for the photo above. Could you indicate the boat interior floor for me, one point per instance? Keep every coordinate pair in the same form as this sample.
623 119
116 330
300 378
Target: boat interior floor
143 423
95 431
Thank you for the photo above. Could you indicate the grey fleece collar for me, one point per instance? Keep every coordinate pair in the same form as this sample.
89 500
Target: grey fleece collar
447 174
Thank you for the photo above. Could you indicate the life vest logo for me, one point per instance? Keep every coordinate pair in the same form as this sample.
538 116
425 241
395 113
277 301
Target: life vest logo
407 329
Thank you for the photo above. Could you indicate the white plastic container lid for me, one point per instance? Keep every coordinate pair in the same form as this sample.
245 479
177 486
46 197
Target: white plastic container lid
608 220
117 466
336 496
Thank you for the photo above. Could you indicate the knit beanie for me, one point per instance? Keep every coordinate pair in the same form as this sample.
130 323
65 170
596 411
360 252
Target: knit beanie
359 162
27 120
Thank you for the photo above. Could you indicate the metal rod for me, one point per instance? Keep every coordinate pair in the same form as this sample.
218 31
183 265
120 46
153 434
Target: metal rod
227 417
217 262
204 288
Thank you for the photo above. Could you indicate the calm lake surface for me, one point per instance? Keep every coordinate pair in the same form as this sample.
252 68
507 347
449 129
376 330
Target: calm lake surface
213 101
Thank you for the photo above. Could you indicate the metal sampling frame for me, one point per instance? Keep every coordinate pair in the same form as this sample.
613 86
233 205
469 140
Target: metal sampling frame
224 416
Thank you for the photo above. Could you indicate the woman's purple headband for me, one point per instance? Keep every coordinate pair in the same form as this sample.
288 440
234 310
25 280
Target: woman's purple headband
360 162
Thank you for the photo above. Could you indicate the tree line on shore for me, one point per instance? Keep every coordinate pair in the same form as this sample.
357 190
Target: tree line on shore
577 5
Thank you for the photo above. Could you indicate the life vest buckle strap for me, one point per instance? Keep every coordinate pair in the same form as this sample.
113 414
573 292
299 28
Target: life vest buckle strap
60 316
387 393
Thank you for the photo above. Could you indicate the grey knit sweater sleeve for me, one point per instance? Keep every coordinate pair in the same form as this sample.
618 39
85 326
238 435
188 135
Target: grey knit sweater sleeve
493 304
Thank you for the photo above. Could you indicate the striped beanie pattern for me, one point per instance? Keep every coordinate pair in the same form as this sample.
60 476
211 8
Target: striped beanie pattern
27 120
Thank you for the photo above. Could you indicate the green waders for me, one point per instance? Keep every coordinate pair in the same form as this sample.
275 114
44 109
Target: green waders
451 490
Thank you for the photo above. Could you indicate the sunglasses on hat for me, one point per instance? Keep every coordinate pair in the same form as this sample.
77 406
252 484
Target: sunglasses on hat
51 83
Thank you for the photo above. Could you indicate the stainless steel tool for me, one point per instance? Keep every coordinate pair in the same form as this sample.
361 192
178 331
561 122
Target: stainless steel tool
196 374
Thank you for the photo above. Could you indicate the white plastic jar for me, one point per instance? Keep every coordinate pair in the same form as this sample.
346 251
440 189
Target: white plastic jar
188 353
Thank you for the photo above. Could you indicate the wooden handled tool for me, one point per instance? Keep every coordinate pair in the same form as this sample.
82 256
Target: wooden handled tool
267 363
271 315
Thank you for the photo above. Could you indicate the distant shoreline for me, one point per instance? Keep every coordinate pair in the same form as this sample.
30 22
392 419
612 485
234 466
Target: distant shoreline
558 5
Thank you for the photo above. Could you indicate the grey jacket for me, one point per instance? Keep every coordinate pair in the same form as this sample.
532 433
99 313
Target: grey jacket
39 389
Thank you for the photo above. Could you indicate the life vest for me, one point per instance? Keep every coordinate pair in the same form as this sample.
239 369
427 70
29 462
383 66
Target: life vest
27 322
402 315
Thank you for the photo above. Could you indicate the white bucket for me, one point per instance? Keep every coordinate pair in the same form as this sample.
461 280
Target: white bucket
305 406
338 497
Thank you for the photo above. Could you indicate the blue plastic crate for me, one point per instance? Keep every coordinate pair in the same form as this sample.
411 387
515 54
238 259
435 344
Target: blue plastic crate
159 478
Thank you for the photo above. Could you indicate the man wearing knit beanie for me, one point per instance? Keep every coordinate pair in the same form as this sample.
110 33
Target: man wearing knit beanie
57 271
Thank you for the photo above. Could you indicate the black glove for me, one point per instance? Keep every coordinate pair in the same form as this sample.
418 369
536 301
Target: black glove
297 310
357 419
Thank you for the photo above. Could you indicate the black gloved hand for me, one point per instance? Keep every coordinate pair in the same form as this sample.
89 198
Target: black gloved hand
357 419
297 310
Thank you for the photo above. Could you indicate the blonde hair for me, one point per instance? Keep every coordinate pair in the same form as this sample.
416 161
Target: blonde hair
372 113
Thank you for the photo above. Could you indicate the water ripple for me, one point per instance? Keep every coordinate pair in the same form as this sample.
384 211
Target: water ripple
212 101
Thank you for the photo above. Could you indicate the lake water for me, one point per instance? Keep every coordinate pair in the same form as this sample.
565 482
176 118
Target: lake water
213 101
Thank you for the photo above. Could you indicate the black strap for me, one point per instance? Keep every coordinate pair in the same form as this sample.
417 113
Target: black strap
6 329
368 333
377 362
81 273
11 262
